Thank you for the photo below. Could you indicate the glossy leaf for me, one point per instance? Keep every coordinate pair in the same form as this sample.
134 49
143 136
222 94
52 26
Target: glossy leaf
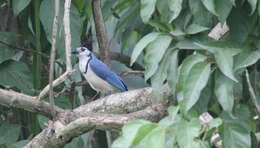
131 134
155 139
6 53
172 76
189 130
195 28
247 58
223 8
154 53
147 9
19 5
223 53
236 133
231 48
194 83
253 4
176 7
185 69
210 5
139 47
9 133
160 76
224 91
15 74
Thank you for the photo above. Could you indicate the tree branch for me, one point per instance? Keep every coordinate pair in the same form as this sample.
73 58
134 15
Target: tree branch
53 54
25 49
11 98
69 71
102 37
60 134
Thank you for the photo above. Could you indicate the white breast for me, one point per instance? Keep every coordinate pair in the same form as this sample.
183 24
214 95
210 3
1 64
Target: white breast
95 82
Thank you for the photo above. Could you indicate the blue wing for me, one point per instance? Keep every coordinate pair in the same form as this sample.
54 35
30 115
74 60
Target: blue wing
106 74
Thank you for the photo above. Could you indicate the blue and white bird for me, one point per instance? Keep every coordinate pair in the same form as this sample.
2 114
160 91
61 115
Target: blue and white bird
98 75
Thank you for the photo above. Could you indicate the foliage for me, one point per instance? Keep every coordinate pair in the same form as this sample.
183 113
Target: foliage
169 38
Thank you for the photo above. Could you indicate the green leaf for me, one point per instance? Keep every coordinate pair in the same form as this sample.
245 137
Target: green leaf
210 5
154 53
154 139
147 9
214 123
19 5
225 63
133 132
9 133
224 91
230 47
185 69
223 52
253 4
142 44
42 121
240 24
247 58
200 14
15 74
258 8
175 7
195 82
6 53
186 44
160 76
172 75
186 133
195 28
18 144
223 8
236 132
173 110
46 18
75 143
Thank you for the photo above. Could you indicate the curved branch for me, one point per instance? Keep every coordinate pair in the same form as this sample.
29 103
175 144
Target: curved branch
58 134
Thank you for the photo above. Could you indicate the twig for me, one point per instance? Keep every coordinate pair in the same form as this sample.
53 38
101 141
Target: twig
56 82
53 53
25 49
252 93
102 37
69 70
136 72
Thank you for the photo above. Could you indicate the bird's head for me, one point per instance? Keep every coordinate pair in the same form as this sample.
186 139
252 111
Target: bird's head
81 51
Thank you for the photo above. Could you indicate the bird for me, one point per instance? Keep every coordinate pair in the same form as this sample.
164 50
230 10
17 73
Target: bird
99 76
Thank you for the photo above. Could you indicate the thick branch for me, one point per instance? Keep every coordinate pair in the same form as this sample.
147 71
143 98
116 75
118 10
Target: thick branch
125 102
102 37
63 133
18 100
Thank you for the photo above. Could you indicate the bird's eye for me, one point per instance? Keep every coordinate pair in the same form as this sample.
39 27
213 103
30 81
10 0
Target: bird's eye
82 49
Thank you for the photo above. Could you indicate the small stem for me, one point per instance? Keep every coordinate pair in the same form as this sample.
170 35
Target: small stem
252 93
